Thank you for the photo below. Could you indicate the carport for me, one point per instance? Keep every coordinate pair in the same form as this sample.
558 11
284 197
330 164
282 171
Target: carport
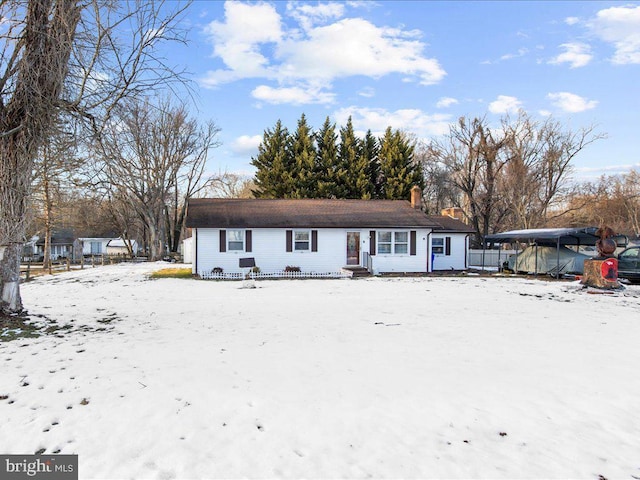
585 236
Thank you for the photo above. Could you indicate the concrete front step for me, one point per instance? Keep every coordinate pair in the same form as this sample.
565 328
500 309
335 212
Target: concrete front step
357 272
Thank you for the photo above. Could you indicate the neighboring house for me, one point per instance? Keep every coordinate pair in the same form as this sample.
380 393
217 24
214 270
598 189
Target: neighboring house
92 246
187 250
118 246
61 245
320 235
29 249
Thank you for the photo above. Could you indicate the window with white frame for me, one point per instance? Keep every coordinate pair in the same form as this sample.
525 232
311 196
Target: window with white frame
396 243
384 242
235 240
400 243
302 240
437 246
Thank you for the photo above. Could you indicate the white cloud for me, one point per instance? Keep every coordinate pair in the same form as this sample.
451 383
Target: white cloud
309 15
246 144
520 53
505 104
570 102
367 92
237 41
292 95
544 113
575 54
253 42
445 102
354 46
571 20
619 26
411 120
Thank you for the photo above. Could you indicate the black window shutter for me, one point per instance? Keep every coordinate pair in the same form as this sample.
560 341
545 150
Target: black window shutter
412 242
223 240
447 246
314 240
248 239
372 242
289 240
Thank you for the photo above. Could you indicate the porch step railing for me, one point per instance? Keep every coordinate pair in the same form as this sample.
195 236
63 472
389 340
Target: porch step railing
367 261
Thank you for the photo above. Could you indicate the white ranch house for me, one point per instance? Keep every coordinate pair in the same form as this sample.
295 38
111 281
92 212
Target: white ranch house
320 236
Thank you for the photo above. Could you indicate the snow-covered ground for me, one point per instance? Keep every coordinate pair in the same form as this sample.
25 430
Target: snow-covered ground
467 377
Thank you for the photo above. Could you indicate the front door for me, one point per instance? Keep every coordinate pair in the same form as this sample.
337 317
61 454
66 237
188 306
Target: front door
353 248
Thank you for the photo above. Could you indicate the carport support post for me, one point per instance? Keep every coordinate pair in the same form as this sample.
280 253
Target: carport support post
536 264
484 247
558 258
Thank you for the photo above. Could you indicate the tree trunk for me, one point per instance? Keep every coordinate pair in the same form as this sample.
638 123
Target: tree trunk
156 250
46 258
15 181
25 118
10 278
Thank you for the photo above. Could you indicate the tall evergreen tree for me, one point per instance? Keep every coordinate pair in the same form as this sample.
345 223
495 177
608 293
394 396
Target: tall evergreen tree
274 164
350 162
303 153
398 170
326 160
369 153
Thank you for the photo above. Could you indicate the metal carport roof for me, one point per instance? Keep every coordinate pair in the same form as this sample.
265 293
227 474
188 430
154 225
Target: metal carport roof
552 236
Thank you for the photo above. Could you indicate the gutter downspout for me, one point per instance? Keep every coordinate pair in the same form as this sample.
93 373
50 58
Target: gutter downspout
429 250
466 253
195 248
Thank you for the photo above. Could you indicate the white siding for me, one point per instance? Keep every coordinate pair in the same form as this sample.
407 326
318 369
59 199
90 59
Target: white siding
383 263
187 250
86 245
269 251
456 259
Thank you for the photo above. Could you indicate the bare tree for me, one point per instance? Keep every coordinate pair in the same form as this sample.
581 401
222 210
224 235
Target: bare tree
73 57
52 176
438 193
229 185
474 158
153 158
612 200
537 175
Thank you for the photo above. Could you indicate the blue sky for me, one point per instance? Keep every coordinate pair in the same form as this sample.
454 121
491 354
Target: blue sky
417 66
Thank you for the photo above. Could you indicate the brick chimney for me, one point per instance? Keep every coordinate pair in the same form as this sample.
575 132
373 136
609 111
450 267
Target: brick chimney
416 197
454 212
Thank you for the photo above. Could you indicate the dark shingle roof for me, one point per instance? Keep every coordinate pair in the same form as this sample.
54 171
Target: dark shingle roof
450 224
310 213
59 237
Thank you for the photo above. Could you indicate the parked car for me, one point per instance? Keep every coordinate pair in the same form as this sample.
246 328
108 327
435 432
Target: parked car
629 264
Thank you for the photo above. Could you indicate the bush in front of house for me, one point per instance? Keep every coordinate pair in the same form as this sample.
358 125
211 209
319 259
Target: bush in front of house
290 268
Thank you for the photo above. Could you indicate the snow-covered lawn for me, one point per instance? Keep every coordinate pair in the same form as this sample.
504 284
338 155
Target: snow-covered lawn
385 377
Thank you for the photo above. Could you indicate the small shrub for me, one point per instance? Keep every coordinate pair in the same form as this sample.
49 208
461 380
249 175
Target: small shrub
217 270
255 270
290 268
